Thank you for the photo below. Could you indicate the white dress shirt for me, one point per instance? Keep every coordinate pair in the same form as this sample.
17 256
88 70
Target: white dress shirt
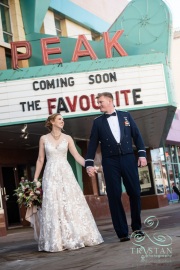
114 126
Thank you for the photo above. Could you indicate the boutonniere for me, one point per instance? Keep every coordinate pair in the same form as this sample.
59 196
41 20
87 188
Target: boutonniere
126 122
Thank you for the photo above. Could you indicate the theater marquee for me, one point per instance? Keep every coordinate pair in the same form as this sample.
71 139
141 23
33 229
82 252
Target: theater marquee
74 94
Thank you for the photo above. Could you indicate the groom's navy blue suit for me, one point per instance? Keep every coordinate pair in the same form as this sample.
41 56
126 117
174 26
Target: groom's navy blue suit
118 160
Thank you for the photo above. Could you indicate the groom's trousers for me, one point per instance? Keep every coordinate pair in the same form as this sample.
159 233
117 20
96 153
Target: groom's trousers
116 169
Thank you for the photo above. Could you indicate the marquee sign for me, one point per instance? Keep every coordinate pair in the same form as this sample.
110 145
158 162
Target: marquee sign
74 94
109 44
134 85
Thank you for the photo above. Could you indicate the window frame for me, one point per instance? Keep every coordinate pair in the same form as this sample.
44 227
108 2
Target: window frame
9 35
58 30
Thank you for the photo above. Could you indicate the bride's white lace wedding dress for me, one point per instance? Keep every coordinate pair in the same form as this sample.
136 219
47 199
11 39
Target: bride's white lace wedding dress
66 221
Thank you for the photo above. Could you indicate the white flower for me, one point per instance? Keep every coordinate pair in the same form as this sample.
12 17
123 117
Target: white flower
27 186
38 184
38 192
20 194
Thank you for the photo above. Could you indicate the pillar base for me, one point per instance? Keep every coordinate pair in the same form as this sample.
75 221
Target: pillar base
99 206
3 231
154 201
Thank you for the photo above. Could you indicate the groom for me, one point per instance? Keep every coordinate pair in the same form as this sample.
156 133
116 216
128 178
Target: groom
114 130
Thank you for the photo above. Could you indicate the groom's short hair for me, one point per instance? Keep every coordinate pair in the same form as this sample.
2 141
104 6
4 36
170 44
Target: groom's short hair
105 94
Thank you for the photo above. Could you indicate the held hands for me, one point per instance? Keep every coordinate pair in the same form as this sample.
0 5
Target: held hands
142 162
92 170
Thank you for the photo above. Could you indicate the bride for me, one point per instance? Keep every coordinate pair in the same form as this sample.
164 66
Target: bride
65 219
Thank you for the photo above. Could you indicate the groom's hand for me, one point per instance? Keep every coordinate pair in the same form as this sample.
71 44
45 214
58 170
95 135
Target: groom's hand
142 162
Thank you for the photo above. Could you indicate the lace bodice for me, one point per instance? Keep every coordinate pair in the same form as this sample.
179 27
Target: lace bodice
56 150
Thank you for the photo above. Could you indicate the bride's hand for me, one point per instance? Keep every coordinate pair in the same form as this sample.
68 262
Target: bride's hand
92 170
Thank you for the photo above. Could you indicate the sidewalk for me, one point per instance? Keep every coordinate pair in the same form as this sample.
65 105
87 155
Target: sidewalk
158 250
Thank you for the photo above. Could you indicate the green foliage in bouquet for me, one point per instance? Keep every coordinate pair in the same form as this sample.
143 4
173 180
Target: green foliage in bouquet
29 193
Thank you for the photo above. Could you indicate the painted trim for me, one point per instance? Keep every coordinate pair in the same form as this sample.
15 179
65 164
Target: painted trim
79 15
83 66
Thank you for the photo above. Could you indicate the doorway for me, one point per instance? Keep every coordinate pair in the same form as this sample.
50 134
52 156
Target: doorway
10 201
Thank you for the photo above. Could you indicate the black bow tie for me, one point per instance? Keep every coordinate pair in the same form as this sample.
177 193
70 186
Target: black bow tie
108 115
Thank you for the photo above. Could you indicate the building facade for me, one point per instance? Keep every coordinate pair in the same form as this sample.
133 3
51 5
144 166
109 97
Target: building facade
172 150
58 63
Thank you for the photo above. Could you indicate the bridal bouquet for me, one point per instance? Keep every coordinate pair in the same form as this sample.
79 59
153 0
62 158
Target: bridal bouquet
29 193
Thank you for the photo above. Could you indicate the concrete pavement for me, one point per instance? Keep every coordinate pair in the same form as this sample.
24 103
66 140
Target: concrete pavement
159 249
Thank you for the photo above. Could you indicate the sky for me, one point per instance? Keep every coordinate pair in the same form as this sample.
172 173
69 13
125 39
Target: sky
174 6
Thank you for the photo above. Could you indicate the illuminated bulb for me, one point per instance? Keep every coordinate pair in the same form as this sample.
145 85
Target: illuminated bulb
26 136
24 128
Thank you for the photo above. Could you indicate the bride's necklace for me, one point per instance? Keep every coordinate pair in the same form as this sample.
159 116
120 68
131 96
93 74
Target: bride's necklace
56 137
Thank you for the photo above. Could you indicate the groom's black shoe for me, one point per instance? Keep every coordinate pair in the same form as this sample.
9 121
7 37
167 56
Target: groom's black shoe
137 233
124 239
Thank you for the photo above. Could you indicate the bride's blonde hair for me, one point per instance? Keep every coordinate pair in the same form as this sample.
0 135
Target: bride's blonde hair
49 120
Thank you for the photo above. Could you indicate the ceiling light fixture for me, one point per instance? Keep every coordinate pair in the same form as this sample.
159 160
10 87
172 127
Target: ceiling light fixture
26 136
24 128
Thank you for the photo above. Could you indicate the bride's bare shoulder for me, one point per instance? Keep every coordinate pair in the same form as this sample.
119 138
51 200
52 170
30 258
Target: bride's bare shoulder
44 137
67 137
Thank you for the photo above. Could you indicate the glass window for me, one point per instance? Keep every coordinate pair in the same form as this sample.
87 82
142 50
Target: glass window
158 177
5 2
5 20
178 153
144 178
173 154
176 174
172 165
167 154
165 179
58 27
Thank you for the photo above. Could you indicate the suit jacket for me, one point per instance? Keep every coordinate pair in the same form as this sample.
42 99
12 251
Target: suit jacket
101 133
